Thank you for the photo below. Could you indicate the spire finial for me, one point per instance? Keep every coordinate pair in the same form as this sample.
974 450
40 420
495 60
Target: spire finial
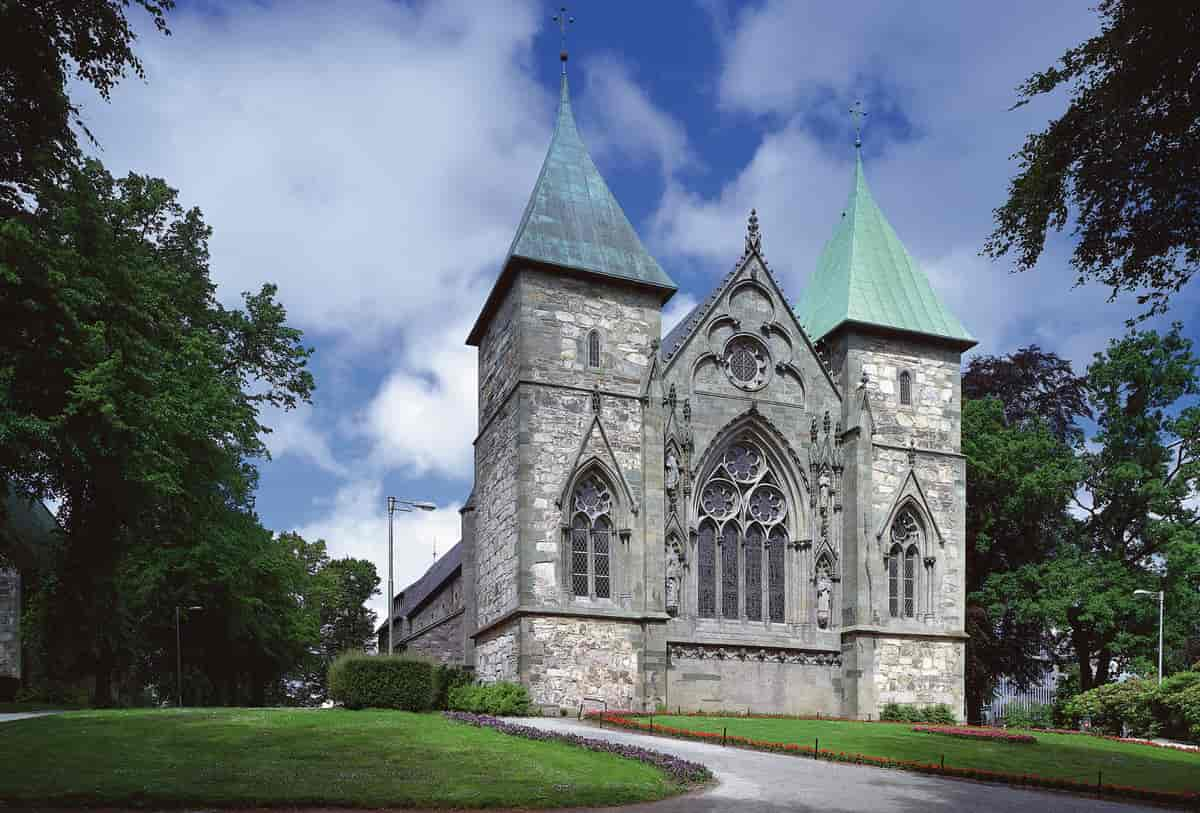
563 19
857 113
753 236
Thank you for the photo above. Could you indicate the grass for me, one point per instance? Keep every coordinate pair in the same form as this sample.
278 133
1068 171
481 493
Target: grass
1054 755
284 757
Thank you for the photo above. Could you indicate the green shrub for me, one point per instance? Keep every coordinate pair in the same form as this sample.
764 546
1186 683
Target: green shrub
502 699
909 713
1176 706
1038 715
446 678
360 681
1115 708
54 693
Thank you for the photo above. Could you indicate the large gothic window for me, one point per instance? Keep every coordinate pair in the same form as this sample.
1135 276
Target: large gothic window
744 513
591 538
902 566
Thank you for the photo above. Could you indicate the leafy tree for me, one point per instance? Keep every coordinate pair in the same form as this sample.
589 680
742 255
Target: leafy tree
41 43
346 623
126 389
1031 384
1020 477
1120 163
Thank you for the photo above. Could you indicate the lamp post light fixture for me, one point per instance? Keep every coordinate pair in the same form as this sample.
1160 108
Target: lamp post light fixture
1158 593
393 505
179 654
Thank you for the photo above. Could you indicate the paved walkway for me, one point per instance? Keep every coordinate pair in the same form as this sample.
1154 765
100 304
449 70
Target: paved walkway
24 715
756 781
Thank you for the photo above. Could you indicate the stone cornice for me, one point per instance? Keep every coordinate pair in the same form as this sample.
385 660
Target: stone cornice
598 613
888 632
918 449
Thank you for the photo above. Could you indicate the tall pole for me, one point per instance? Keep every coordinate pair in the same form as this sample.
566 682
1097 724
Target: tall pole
1160 635
178 661
391 593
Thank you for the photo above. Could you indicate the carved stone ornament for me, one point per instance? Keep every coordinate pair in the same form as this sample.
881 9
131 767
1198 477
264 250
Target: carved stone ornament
596 399
722 652
747 362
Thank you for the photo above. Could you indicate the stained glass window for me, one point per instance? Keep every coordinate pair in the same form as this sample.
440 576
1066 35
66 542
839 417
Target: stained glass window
754 597
591 537
593 348
742 491
775 582
910 579
729 570
905 387
893 568
707 571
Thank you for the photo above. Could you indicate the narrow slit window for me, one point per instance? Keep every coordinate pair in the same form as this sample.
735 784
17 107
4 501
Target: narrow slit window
910 583
893 568
905 387
707 553
593 348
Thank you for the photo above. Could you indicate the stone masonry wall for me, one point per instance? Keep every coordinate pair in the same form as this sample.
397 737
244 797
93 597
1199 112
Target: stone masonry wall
10 616
442 641
570 659
496 654
496 534
934 418
919 671
448 600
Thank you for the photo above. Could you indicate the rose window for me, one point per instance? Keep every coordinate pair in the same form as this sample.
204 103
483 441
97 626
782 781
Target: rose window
746 362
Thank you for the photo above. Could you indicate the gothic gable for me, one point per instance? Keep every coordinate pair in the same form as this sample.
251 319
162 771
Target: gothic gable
911 495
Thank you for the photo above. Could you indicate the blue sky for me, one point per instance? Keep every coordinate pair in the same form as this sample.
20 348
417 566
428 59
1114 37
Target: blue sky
373 159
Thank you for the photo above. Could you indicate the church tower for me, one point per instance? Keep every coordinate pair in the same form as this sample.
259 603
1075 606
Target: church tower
565 524
896 349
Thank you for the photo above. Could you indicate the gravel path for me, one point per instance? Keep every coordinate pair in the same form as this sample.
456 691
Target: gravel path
756 781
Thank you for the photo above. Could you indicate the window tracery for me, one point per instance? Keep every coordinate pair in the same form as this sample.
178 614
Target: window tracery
591 537
743 506
902 566
747 362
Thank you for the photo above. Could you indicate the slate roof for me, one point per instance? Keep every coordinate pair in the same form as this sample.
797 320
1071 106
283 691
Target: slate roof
572 220
866 276
441 571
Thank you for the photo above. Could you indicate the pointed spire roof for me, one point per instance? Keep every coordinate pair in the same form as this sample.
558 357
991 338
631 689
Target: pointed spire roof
866 276
572 221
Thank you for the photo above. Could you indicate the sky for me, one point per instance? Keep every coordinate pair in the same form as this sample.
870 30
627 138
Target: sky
373 159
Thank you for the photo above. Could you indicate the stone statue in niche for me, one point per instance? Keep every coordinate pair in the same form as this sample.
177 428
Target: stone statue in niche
824 599
672 471
673 581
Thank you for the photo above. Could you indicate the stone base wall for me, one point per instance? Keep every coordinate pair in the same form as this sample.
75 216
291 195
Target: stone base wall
442 641
921 671
496 654
570 659
10 616
717 678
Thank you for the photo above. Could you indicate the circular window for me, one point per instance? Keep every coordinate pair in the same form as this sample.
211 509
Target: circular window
746 362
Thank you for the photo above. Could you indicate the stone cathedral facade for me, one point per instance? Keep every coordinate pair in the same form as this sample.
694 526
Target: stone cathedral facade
762 509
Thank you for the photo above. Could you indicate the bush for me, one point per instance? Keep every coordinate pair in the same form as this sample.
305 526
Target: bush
359 681
9 686
909 713
502 699
1115 708
446 678
1038 715
1176 706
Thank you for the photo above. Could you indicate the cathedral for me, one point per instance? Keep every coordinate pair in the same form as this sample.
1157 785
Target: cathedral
761 510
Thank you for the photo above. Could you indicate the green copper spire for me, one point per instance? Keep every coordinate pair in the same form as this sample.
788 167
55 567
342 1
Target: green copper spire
574 221
866 276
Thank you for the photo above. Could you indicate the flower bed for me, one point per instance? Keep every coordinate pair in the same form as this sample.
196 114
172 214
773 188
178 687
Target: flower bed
994 734
630 721
681 770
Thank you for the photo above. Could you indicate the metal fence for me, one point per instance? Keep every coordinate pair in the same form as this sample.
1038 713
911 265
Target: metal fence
1008 696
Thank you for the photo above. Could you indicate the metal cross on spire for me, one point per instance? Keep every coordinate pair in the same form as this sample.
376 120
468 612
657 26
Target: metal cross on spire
563 19
857 113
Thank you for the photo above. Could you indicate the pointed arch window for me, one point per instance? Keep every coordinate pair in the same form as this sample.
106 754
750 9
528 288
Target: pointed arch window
742 506
593 348
905 387
591 540
902 566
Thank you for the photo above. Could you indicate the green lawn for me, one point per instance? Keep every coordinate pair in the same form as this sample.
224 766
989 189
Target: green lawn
260 757
1054 755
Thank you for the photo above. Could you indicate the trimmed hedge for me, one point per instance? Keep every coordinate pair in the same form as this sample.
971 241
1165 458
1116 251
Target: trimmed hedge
361 681
446 678
1038 715
502 699
1114 708
908 713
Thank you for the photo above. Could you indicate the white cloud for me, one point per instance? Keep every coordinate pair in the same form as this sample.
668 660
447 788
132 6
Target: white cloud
294 433
628 121
356 525
680 306
372 158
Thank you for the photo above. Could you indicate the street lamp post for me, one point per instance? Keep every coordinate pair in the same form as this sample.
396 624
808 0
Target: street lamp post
179 655
1158 593
395 505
